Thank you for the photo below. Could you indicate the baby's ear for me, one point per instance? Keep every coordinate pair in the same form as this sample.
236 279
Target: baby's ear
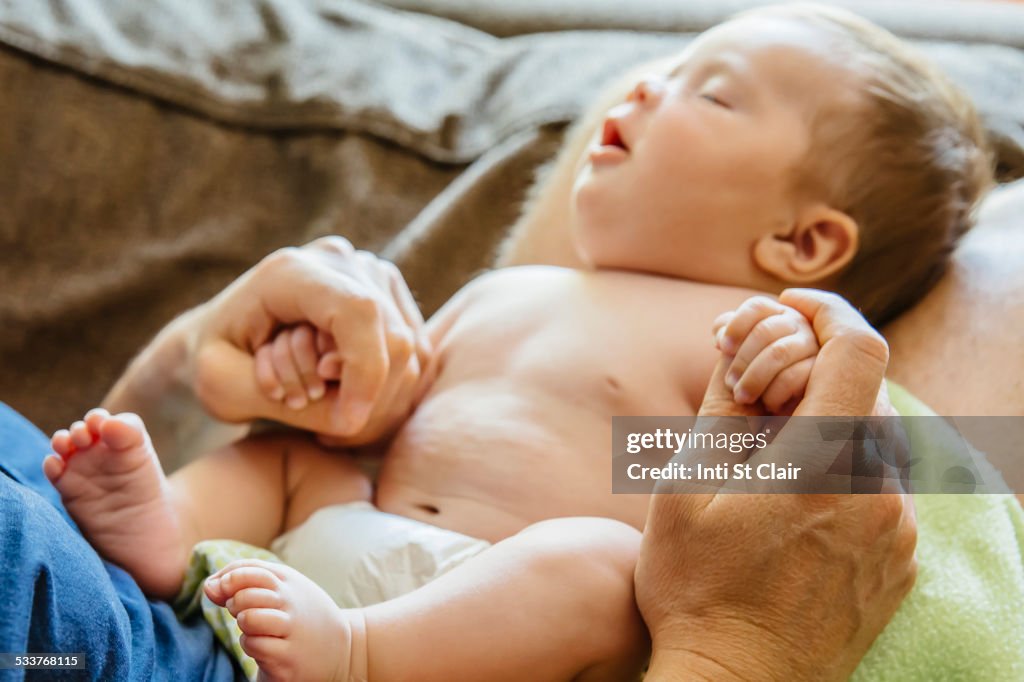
820 244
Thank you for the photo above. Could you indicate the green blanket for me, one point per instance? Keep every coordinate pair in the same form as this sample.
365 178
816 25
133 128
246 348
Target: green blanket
964 619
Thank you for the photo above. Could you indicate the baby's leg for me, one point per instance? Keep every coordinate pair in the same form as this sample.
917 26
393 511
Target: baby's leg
110 480
257 489
111 483
554 602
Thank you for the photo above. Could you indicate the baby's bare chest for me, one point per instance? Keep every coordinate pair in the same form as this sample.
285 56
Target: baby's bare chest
629 343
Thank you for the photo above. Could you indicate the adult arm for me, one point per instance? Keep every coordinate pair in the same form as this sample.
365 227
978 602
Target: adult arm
201 366
780 587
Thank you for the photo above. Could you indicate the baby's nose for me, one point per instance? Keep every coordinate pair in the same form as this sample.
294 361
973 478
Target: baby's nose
648 90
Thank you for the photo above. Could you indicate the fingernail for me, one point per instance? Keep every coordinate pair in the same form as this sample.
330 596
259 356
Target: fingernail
213 583
277 394
296 402
317 392
727 345
731 378
229 603
743 397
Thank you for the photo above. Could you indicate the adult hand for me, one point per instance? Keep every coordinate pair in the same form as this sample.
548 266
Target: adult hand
795 587
360 300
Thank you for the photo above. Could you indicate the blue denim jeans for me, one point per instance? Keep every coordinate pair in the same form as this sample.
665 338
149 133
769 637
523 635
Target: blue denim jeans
59 596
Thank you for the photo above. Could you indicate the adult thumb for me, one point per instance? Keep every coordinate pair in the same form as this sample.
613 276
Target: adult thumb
850 367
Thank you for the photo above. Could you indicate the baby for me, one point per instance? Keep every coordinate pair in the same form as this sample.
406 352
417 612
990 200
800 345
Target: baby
789 146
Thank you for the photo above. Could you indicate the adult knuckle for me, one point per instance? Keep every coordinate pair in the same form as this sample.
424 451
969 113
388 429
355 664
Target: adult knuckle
868 342
334 243
368 258
282 258
390 269
364 307
402 344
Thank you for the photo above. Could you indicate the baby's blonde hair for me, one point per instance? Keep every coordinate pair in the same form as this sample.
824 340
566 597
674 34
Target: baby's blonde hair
908 162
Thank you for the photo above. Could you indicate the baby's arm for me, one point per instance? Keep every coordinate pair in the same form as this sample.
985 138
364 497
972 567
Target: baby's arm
773 348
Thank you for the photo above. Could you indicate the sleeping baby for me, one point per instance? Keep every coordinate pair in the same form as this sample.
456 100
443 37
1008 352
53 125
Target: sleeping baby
791 146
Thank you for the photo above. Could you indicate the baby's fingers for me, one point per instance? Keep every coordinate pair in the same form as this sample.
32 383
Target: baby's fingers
329 367
760 333
744 319
266 377
718 328
772 361
788 387
305 356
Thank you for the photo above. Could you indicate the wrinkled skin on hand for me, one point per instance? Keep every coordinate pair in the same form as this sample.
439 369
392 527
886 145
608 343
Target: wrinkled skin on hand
781 587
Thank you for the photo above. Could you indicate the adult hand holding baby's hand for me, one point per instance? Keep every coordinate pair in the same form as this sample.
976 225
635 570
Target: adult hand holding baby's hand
360 301
796 587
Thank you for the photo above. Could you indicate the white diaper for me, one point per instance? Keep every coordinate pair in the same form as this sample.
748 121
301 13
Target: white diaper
360 555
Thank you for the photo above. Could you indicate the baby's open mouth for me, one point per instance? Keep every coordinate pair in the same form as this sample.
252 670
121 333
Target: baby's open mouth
610 136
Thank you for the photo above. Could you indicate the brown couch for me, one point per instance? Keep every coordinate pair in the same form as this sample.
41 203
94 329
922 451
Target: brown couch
152 152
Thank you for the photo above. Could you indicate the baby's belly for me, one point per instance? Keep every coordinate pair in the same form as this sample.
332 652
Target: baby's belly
488 458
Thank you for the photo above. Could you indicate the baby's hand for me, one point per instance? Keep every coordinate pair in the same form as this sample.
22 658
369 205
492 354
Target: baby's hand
295 365
773 348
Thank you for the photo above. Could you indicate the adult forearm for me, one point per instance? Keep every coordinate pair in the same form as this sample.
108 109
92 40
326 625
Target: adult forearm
159 386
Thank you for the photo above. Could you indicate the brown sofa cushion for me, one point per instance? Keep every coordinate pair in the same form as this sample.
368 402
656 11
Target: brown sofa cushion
154 151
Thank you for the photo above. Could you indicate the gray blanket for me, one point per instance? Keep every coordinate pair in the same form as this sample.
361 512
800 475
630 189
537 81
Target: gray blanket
153 151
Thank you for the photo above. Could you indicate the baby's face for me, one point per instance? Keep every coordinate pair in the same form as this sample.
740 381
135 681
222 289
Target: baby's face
696 165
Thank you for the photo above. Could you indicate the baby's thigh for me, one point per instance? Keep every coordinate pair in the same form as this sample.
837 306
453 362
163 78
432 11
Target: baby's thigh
584 568
316 478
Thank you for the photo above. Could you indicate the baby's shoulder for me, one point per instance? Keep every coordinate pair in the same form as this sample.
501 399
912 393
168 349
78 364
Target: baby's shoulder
519 275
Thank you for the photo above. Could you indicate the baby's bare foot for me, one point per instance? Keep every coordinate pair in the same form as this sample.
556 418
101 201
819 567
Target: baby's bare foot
290 626
110 480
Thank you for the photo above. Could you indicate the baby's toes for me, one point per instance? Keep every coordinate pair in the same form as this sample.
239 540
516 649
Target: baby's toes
61 443
94 419
81 437
272 654
53 467
265 622
237 576
253 598
123 431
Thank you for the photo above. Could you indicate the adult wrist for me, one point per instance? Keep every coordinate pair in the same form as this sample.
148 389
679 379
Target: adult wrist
731 650
688 666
